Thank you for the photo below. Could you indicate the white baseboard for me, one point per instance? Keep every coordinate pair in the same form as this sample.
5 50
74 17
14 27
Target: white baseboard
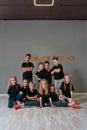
74 93
3 94
80 93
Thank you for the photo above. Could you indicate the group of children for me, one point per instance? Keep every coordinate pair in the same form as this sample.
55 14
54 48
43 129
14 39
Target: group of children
59 94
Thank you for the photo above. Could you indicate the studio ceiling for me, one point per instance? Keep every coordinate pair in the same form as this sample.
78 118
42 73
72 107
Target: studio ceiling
26 10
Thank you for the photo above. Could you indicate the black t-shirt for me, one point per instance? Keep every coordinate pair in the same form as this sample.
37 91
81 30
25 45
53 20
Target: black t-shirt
59 75
67 91
53 96
45 98
31 94
41 74
24 90
44 74
13 91
48 76
28 74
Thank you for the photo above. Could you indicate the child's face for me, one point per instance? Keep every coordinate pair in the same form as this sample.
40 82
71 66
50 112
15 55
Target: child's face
52 89
43 85
41 67
32 87
46 66
27 59
13 81
67 79
55 62
25 83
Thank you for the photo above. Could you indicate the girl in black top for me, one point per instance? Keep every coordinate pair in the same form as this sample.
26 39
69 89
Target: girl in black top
43 93
67 89
13 91
54 100
24 88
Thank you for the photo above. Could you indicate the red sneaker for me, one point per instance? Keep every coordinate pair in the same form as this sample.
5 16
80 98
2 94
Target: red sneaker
75 106
17 106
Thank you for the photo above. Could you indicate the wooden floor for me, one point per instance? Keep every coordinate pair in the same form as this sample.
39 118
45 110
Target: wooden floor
45 119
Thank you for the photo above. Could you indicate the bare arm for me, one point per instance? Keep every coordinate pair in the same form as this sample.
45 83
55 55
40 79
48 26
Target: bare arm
52 79
53 71
41 102
51 102
8 95
60 92
37 78
57 70
24 69
72 95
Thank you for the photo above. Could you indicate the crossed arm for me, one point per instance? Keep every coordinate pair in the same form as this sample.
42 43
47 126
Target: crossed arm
24 69
55 71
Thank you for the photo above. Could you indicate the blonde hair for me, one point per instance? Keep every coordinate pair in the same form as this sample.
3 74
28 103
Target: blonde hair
32 83
69 83
12 77
41 87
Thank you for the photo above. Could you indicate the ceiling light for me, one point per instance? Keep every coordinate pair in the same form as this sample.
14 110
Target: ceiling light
35 3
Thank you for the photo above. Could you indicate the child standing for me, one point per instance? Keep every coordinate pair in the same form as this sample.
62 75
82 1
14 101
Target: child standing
13 91
40 73
48 72
27 68
57 72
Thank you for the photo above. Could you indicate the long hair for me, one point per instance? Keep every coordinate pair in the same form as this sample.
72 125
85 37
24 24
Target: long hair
70 84
9 83
41 87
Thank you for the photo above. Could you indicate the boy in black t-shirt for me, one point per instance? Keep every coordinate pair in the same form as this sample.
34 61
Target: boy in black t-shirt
43 72
40 73
27 68
31 97
48 72
57 72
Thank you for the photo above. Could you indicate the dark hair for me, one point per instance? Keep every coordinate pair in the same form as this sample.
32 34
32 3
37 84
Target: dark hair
46 62
52 85
28 55
55 58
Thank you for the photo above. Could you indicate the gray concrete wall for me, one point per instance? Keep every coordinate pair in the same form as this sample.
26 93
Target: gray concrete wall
43 38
